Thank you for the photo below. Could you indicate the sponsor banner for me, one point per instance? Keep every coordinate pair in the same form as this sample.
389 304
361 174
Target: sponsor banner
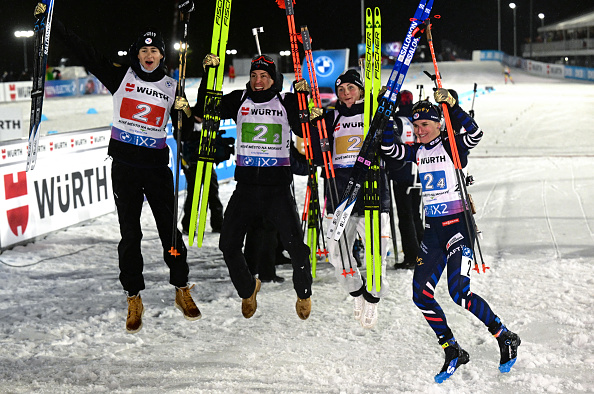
328 66
582 73
545 69
391 49
21 91
51 147
91 85
225 170
17 91
11 123
61 88
69 185
488 55
558 71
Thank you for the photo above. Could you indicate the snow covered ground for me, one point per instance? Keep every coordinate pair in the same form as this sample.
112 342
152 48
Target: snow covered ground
62 310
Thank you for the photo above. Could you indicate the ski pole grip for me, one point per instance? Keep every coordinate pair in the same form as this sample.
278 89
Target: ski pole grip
289 7
306 38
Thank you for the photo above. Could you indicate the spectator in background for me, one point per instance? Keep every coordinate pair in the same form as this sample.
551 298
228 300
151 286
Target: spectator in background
231 73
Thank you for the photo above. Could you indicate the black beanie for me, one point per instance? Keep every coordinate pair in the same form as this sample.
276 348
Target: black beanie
350 76
150 37
264 63
426 110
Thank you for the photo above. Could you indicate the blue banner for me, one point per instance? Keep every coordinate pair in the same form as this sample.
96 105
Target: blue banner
225 170
328 65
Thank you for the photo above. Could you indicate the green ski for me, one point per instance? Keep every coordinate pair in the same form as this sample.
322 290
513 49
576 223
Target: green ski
211 122
373 257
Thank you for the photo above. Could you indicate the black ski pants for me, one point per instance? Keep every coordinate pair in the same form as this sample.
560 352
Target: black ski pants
274 203
130 186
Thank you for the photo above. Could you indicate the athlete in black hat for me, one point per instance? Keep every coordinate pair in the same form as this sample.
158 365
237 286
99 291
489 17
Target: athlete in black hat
144 98
265 119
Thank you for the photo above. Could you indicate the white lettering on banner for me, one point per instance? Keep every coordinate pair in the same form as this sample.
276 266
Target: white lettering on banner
56 90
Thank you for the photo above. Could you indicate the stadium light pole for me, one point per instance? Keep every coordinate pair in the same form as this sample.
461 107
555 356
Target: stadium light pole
499 25
541 16
24 34
513 7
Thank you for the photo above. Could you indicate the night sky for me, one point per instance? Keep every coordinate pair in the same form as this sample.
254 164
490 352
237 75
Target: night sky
112 25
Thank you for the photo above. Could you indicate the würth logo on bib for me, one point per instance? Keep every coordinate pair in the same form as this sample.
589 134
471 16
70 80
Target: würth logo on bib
130 87
245 111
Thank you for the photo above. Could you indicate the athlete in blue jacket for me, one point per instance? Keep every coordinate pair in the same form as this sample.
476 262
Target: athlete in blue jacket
446 242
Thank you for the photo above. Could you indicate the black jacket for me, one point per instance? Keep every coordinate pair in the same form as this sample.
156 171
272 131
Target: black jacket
230 104
111 75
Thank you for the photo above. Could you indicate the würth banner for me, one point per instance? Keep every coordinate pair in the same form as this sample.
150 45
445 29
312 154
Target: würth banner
71 184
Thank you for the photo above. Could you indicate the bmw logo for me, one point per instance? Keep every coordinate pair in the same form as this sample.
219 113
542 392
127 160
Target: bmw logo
125 137
248 161
324 66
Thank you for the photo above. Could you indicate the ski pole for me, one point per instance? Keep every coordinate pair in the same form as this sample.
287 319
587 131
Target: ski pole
181 84
255 31
455 156
313 212
471 112
329 167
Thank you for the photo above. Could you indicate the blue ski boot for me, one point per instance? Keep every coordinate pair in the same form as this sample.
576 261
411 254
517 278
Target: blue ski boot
508 345
455 356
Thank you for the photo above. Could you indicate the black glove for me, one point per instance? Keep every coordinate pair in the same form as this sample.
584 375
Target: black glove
185 6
